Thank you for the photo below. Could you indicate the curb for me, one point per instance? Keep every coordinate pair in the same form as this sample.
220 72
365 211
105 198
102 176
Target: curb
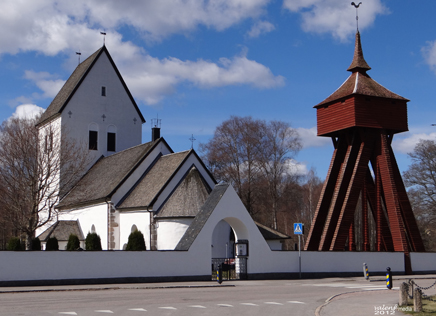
327 301
117 288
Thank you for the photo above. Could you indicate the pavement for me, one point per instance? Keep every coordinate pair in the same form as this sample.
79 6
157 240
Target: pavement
356 302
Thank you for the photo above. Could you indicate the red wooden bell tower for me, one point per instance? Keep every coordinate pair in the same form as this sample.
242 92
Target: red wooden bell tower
361 117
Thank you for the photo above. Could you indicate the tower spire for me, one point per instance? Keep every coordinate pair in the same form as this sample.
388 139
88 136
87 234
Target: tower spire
358 63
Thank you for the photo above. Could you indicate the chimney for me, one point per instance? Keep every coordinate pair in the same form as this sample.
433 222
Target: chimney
155 130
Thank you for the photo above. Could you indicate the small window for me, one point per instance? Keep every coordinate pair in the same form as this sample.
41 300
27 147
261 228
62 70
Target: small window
93 140
110 141
103 91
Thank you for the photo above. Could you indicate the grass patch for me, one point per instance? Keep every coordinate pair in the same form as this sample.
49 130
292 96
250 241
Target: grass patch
428 307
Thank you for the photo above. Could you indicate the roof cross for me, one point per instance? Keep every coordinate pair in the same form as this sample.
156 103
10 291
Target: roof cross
357 16
192 139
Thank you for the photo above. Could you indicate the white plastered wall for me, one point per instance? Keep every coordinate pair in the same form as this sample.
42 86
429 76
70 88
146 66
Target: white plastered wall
170 231
96 215
88 106
141 219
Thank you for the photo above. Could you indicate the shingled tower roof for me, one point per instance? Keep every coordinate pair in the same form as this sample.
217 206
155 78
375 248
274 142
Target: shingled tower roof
359 82
358 63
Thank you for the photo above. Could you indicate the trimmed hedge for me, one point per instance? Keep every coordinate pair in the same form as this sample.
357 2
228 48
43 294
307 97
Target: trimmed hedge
52 244
136 241
14 244
92 242
73 243
36 244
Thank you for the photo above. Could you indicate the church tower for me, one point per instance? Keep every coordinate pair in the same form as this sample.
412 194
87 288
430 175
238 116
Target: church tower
361 117
95 107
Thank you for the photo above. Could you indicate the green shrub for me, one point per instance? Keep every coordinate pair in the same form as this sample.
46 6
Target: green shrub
73 243
36 244
14 244
52 244
92 242
136 241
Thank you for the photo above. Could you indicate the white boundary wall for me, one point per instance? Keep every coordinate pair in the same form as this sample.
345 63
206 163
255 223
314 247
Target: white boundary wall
65 265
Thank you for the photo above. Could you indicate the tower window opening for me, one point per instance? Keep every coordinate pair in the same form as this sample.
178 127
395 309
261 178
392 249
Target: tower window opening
111 141
103 91
93 140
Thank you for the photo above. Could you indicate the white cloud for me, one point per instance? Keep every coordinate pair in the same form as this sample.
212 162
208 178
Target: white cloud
334 16
309 138
151 78
48 83
51 26
27 111
261 27
296 168
429 53
407 145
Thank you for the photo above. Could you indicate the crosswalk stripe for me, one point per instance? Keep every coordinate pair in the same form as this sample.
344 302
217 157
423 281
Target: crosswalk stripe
67 313
137 309
249 304
197 306
168 307
104 311
225 305
296 302
273 303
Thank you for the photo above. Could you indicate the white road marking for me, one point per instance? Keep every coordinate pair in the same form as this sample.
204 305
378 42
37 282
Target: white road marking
249 304
273 303
67 313
168 307
197 306
137 309
296 302
104 311
225 305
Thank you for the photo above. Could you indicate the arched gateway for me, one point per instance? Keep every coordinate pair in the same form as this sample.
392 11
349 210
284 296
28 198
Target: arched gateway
222 216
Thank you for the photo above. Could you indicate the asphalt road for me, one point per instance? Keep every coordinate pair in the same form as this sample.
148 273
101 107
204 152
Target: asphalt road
281 297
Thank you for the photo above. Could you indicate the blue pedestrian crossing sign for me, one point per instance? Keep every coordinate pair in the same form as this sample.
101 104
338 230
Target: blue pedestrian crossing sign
298 229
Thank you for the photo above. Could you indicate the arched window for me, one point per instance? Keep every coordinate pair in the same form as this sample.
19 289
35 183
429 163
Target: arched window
93 136
111 138
134 228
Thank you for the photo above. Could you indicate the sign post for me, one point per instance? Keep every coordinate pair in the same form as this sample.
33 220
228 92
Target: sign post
299 230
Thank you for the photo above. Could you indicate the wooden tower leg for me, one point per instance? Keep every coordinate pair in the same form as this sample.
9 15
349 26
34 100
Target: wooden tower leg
365 228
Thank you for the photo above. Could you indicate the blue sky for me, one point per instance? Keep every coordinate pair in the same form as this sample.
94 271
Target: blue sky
195 63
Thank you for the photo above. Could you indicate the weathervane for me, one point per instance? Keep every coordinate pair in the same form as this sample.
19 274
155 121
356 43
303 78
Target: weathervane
192 139
104 37
357 16
79 53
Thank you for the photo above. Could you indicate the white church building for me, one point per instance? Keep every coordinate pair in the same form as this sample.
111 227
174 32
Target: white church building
132 185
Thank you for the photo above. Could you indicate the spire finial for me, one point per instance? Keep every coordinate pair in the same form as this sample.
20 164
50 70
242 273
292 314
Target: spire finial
104 37
357 16
79 53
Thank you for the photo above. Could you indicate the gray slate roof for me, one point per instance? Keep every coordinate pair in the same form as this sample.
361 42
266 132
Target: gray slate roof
73 83
269 233
154 181
62 231
107 174
202 217
188 197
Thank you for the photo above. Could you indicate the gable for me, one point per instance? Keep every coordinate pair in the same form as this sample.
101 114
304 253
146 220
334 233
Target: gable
107 175
74 82
187 198
158 183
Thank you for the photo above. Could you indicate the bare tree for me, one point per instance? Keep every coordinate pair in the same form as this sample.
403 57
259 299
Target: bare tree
37 168
233 154
280 144
420 177
255 156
